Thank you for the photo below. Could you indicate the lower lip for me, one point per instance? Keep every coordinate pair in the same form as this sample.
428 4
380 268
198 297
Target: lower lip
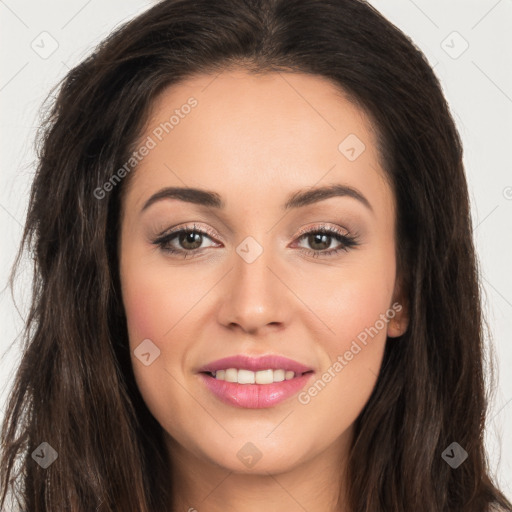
254 396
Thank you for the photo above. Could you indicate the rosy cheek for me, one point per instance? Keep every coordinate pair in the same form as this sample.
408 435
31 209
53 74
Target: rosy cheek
353 313
141 324
141 303
153 307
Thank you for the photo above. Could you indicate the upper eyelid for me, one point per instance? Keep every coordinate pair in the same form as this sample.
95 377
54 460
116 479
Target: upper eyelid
186 227
209 232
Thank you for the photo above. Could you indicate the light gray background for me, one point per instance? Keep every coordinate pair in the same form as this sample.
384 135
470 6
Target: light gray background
477 82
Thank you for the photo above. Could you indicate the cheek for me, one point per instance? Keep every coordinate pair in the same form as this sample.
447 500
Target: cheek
355 302
152 309
160 304
154 303
356 306
351 354
140 315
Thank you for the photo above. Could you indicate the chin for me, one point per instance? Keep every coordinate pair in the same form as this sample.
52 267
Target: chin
255 457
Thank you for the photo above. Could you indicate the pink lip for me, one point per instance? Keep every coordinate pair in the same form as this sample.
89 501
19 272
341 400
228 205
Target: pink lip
242 362
255 396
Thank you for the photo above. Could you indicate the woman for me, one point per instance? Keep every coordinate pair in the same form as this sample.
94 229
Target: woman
318 346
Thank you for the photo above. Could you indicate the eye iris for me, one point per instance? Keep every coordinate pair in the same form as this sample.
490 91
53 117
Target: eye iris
193 238
319 238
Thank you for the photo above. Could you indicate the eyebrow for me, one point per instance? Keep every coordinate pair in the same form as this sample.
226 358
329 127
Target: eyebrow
298 199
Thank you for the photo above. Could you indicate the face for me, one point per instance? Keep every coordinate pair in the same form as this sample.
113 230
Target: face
265 267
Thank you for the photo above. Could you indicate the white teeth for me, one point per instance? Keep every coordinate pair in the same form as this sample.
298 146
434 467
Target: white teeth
231 375
249 377
278 375
246 377
264 376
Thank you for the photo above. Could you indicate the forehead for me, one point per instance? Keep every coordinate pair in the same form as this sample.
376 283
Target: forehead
258 133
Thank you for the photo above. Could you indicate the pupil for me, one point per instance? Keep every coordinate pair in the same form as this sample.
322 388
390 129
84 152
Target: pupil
317 238
188 238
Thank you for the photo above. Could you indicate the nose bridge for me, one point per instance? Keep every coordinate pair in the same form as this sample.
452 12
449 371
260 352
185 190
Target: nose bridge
252 278
255 297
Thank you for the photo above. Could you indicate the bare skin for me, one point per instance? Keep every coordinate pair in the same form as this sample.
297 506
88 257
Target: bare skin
255 140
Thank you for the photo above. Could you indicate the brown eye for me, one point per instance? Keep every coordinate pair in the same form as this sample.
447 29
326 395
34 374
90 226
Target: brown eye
185 241
320 239
190 240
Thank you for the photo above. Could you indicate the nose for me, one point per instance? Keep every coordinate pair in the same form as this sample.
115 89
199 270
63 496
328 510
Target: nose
255 298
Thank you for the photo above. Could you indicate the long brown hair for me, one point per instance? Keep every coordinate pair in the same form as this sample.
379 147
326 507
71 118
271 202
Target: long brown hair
75 388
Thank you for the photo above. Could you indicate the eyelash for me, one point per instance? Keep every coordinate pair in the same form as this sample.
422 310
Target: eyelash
347 241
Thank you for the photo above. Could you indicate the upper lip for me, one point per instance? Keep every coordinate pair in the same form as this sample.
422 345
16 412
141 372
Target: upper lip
244 362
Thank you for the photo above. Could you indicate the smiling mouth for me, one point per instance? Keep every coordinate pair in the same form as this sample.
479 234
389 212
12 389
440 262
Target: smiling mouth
255 389
243 376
